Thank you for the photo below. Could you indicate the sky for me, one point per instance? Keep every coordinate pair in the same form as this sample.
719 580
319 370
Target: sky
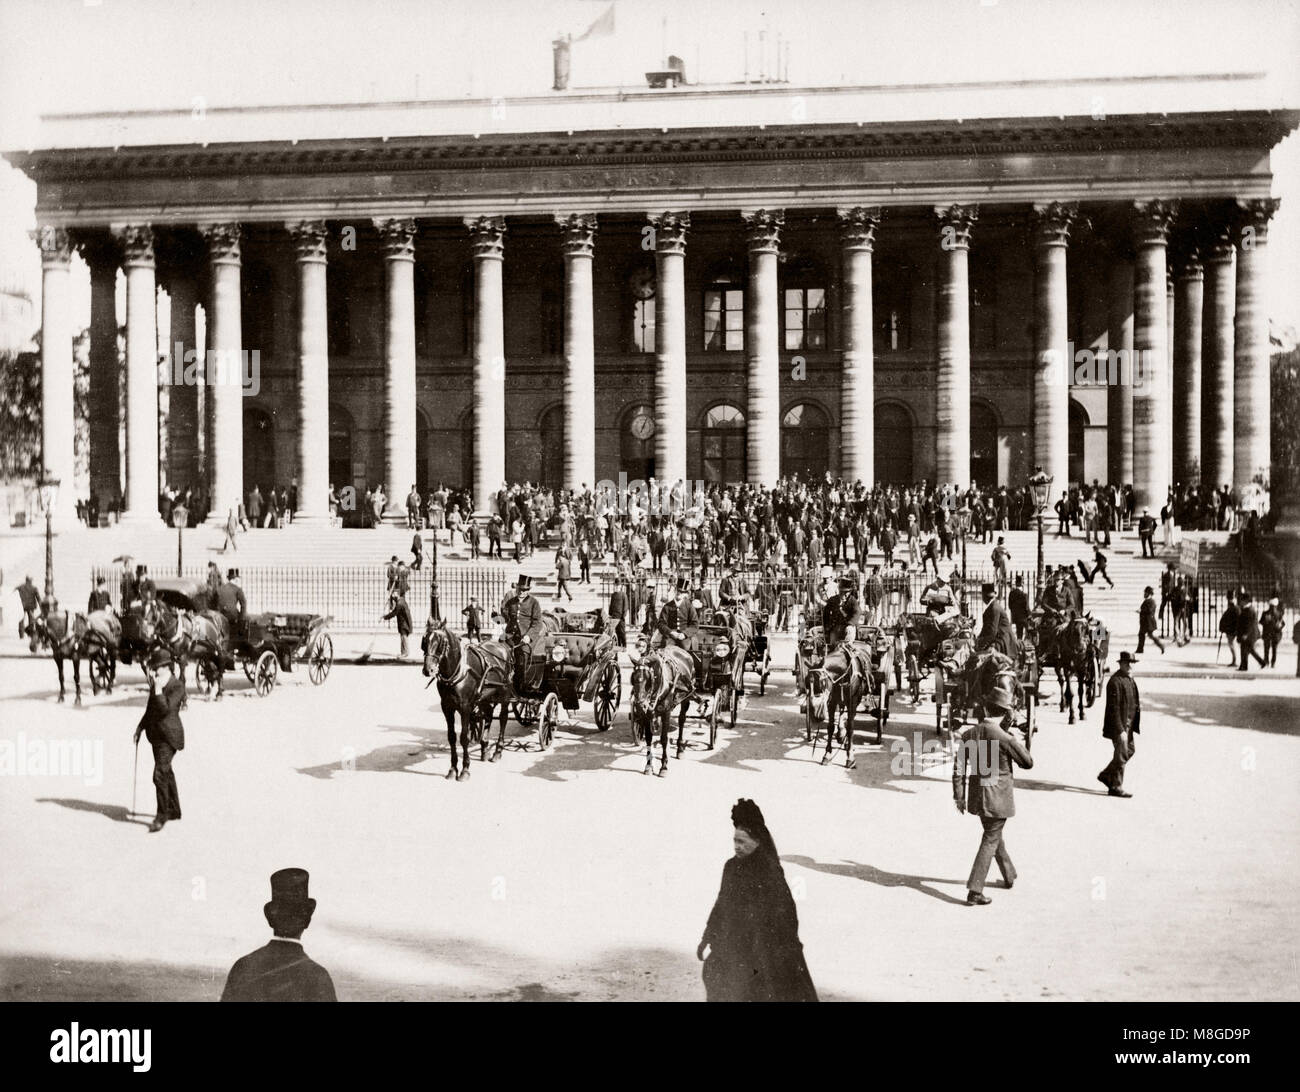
66 55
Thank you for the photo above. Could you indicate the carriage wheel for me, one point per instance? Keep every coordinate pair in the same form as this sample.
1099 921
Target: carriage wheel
764 671
548 719
714 706
525 711
1094 671
265 673
1031 706
882 709
939 698
609 692
248 670
320 659
100 678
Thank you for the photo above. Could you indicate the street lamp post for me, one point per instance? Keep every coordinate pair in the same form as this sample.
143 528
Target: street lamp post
180 516
49 493
1041 484
435 607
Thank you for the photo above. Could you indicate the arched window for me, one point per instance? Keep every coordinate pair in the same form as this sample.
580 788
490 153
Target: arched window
636 443
341 449
722 445
805 443
421 452
892 303
804 305
467 449
983 444
259 451
551 429
893 444
641 287
1078 428
724 310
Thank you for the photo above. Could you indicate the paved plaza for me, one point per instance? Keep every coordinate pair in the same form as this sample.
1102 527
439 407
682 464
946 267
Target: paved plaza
566 874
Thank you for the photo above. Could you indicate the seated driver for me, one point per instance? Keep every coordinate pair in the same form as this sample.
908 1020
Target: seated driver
939 600
523 621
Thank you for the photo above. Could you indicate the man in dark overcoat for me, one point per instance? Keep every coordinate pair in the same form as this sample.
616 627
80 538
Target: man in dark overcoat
161 725
281 970
1120 724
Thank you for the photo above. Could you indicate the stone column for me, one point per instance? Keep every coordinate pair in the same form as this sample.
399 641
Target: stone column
1169 363
1188 289
141 495
670 346
398 238
1119 394
1251 402
1053 362
58 421
100 253
763 348
1219 306
1152 412
182 395
952 387
858 380
309 240
579 351
487 239
223 371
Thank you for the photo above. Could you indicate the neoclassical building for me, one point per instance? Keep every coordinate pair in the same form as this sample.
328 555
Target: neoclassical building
718 283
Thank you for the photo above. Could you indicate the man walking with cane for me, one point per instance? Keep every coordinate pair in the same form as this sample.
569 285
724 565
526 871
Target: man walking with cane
161 725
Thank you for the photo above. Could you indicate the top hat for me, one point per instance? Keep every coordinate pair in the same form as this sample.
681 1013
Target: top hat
1000 697
289 890
1127 657
683 583
139 570
847 583
524 583
987 589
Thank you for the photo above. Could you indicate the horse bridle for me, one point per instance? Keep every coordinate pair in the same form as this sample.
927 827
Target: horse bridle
444 646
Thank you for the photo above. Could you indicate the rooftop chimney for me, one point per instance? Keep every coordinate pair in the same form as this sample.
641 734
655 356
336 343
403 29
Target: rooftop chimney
560 48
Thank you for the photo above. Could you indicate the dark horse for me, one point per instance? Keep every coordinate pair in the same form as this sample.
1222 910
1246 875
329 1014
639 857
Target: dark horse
63 632
662 680
839 683
472 679
1066 646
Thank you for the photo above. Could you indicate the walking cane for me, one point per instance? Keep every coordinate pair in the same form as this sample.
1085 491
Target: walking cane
1217 649
135 773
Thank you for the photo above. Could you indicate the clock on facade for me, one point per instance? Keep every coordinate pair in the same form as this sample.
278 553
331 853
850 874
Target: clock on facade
643 425
641 283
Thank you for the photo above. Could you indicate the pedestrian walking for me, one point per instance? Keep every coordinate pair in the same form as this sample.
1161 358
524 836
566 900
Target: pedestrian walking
1228 627
30 600
562 572
1248 633
1147 621
281 970
1120 723
1001 555
1099 567
1018 605
161 726
750 948
473 620
417 552
1272 625
983 784
398 610
232 529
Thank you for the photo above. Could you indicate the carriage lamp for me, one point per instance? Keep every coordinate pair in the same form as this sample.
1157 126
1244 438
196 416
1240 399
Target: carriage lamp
48 489
559 654
721 650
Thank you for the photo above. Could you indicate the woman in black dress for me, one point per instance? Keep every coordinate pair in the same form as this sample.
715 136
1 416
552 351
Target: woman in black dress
753 932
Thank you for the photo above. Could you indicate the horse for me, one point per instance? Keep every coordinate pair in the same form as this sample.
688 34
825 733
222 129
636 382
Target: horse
63 631
1068 648
922 636
472 679
839 682
157 635
662 680
209 648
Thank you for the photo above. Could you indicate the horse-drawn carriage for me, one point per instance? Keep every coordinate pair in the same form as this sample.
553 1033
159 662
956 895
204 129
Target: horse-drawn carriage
933 646
1076 646
839 680
262 644
576 660
979 672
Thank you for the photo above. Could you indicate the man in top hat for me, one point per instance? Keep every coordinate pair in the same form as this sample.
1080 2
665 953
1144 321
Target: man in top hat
839 612
161 725
99 598
1018 605
1248 632
523 620
1147 533
674 616
983 784
282 971
145 589
231 603
1120 723
996 631
873 594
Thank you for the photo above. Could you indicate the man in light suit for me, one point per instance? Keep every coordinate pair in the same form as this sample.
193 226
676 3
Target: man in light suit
161 725
996 630
987 754
281 970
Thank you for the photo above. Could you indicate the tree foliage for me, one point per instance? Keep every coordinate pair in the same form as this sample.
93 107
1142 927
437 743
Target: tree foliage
1285 430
